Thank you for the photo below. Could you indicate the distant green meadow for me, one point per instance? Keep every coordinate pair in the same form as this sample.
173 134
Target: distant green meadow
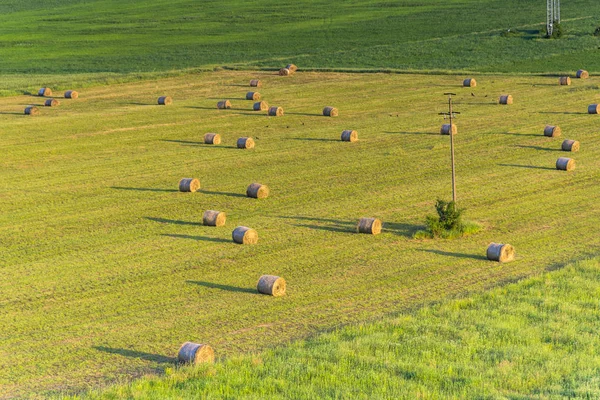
121 36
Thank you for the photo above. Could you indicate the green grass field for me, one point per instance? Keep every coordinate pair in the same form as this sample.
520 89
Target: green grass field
534 339
107 269
75 37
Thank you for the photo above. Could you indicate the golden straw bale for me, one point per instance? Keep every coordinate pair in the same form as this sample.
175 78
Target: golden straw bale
224 104
252 96
71 94
582 74
506 99
292 68
593 109
31 110
212 138
369 225
565 164
275 111
255 83
552 131
500 252
564 80
349 135
257 191
189 185
470 82
570 145
446 129
245 143
51 103
330 112
271 285
195 353
260 106
244 235
45 92
165 100
213 218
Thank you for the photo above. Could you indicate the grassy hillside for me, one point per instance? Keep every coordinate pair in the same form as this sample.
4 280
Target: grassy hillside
84 36
107 269
533 339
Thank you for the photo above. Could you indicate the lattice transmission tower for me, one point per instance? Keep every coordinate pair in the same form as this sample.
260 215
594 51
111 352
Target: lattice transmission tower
552 14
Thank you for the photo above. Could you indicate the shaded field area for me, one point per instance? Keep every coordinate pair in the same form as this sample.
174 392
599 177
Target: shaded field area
533 339
106 266
85 36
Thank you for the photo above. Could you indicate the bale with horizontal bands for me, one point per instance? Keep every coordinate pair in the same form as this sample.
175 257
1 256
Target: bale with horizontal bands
275 111
252 96
255 83
51 102
582 74
245 143
506 99
330 111
257 191
45 92
447 129
500 252
189 185
71 94
349 135
244 235
564 80
284 72
224 104
470 82
565 164
570 145
271 285
31 110
593 109
552 131
165 100
369 225
212 138
260 106
195 353
213 218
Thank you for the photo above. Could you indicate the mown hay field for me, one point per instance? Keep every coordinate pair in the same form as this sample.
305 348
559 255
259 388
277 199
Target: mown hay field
107 268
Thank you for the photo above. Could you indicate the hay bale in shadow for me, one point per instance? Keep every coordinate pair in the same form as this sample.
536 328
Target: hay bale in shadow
292 68
245 143
214 218
369 225
349 135
51 103
470 82
45 92
593 109
255 83
224 105
582 74
271 285
446 129
565 164
244 235
506 99
564 81
260 106
284 72
189 185
195 353
330 111
275 111
552 131
212 138
570 145
165 100
31 110
71 94
257 191
500 252
252 96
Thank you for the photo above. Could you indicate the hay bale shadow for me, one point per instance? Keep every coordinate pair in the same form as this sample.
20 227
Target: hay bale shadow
525 166
562 112
219 286
143 189
413 133
199 238
158 358
536 147
517 134
316 139
230 194
192 143
173 221
458 255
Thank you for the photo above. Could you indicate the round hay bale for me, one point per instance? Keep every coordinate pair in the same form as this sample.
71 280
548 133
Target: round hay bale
252 96
51 103
552 131
500 252
255 83
31 110
244 235
260 106
349 136
257 191
506 99
330 112
189 185
45 92
292 68
564 80
582 74
224 104
195 353
71 94
165 100
213 218
275 111
271 285
212 138
570 145
593 109
470 82
245 143
446 129
369 225
565 164
284 72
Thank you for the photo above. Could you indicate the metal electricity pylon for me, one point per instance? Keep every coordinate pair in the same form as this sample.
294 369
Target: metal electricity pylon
451 114
552 14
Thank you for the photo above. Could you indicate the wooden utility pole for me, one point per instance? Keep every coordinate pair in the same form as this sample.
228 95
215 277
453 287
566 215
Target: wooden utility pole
450 114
